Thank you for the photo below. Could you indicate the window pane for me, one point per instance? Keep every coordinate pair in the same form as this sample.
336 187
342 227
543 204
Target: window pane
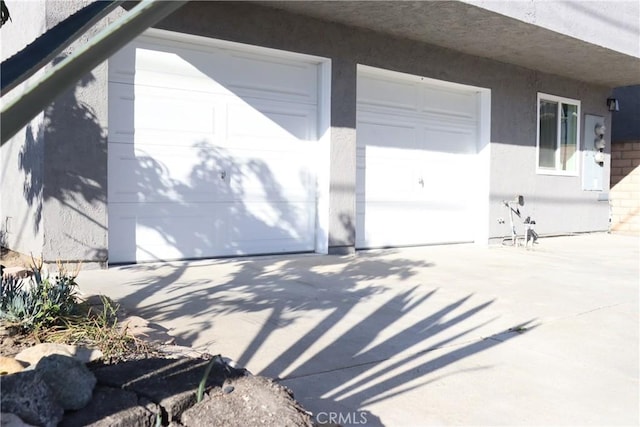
569 137
548 134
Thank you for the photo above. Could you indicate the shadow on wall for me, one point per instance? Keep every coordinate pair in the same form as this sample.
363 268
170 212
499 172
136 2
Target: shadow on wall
343 245
232 177
365 356
64 161
30 161
222 200
204 212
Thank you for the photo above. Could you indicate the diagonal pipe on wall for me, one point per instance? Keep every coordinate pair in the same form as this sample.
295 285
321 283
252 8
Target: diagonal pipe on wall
24 108
18 68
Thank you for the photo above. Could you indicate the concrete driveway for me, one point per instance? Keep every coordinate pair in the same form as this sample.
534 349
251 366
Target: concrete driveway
442 335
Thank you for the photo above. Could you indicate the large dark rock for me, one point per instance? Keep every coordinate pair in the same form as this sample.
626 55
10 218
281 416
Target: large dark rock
112 407
170 383
69 379
12 420
27 395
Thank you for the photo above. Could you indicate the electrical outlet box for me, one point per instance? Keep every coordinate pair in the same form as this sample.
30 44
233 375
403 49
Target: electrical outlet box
593 146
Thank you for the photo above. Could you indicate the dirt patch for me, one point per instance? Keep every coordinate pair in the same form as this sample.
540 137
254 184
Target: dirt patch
12 345
249 401
10 258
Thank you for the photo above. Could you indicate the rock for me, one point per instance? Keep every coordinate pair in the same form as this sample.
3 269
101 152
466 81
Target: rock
138 327
17 272
111 407
171 383
12 420
260 401
27 395
8 330
32 355
178 351
9 365
69 379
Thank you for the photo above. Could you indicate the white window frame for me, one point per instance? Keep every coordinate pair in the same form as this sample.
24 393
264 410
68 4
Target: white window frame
556 170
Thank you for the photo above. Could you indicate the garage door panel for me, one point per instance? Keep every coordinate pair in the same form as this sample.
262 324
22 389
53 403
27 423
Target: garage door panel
164 110
389 135
382 92
415 167
202 84
147 173
450 102
268 175
398 225
453 140
263 227
158 231
390 179
152 115
263 77
200 174
270 121
181 68
211 152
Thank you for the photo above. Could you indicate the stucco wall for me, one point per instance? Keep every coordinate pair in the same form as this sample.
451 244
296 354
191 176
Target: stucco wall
75 154
557 203
57 165
76 160
611 24
21 158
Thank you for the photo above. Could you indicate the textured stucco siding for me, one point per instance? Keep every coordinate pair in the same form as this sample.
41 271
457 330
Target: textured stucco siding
57 165
556 202
22 157
75 157
611 24
75 191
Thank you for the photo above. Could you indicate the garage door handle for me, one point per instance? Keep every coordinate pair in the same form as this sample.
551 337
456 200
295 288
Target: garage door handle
223 175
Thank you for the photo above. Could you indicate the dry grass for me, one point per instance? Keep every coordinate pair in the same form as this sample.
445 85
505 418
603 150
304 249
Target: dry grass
101 330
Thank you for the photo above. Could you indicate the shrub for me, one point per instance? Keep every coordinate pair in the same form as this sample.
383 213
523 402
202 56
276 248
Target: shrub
39 301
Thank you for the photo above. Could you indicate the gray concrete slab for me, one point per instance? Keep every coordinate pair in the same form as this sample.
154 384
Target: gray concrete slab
442 335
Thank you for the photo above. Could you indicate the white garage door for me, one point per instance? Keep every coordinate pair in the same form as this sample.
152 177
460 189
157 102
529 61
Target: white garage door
211 150
417 142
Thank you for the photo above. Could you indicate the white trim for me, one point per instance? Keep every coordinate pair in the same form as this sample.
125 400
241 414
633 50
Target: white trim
555 171
208 43
483 171
324 160
457 87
